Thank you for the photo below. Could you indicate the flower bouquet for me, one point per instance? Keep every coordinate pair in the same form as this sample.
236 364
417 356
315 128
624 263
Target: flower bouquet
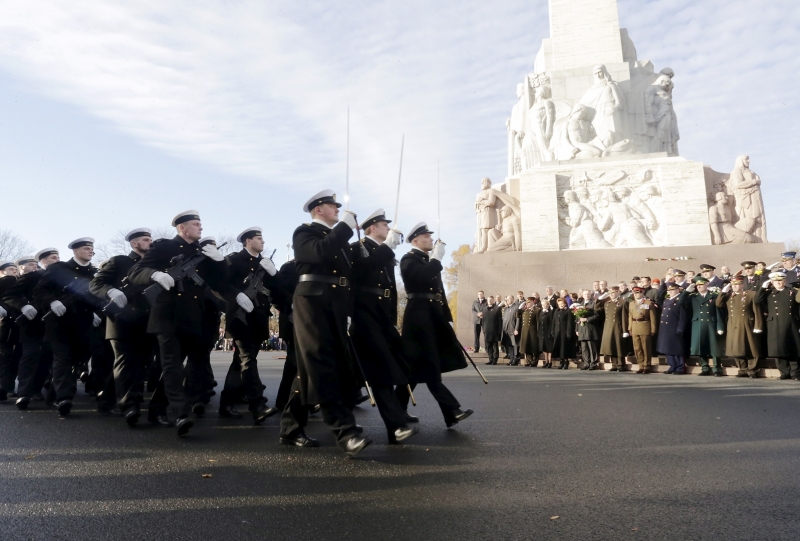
580 312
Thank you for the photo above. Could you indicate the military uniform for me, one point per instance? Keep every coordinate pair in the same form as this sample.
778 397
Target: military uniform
642 325
10 347
529 335
783 340
673 334
614 326
706 324
745 323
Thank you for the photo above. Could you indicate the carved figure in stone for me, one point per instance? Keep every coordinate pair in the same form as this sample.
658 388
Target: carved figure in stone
584 199
541 118
622 223
584 232
661 120
517 126
632 199
746 186
485 203
507 235
640 113
606 101
576 134
722 230
652 199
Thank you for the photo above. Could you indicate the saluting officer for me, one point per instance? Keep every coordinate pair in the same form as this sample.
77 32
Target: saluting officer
243 268
706 324
615 327
790 268
672 330
642 325
177 318
37 356
64 291
430 344
781 306
752 281
745 323
126 324
374 323
10 349
325 371
529 335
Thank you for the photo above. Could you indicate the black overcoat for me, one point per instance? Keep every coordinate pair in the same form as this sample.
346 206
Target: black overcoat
181 309
9 332
546 331
564 334
374 321
21 294
781 307
324 365
76 324
590 330
673 328
492 322
242 264
431 345
131 322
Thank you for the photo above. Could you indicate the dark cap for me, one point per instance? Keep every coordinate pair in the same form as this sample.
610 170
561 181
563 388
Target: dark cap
678 272
700 280
748 264
789 255
706 267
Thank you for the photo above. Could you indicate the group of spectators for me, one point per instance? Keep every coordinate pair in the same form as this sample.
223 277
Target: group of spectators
747 316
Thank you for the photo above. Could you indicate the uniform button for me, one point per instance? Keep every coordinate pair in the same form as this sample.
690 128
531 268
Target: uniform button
334 285
179 294
195 296
334 272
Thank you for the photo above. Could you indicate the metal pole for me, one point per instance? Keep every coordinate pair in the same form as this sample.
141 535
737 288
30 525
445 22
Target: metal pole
347 167
399 176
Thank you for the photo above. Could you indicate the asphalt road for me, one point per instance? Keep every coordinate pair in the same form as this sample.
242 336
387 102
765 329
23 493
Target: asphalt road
613 456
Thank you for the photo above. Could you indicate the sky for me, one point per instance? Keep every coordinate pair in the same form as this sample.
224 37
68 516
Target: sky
115 115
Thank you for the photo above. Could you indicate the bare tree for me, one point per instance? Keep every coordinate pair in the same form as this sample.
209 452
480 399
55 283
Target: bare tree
12 246
117 245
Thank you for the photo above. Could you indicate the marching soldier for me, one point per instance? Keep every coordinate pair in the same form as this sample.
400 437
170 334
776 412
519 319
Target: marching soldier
642 326
781 306
63 294
215 305
615 327
745 323
37 356
10 349
672 330
247 320
752 281
374 329
431 345
126 324
325 371
177 317
529 335
706 324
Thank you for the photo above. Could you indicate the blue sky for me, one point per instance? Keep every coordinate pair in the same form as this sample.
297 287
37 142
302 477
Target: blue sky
121 115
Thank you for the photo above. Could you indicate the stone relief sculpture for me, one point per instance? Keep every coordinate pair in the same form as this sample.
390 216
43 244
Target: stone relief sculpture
507 235
521 152
623 223
584 232
607 103
541 118
722 230
661 120
485 203
746 187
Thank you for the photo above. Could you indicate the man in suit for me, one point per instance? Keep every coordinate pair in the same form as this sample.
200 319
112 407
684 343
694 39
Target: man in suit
477 319
550 296
642 324
587 328
745 324
492 329
511 326
706 324
780 303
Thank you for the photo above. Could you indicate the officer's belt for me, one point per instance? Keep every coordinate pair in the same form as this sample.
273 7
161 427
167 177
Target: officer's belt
375 291
433 296
335 280
641 319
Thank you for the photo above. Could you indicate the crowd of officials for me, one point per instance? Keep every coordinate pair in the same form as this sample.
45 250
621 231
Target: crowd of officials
148 320
747 315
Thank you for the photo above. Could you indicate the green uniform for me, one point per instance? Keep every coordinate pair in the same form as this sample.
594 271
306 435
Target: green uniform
706 323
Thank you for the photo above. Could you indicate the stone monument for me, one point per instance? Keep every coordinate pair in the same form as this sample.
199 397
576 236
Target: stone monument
594 165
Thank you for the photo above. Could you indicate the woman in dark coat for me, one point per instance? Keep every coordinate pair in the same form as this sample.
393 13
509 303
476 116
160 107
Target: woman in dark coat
563 334
546 333
530 314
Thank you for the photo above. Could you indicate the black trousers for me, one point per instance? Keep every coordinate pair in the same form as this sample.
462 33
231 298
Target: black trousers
478 329
10 354
589 349
130 358
447 402
788 366
69 357
493 350
338 417
244 375
288 377
175 348
392 413
35 364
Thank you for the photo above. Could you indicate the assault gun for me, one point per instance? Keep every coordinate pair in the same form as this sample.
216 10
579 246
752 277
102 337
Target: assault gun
181 268
75 291
254 284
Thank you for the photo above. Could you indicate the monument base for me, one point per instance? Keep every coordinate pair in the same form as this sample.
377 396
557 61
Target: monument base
505 273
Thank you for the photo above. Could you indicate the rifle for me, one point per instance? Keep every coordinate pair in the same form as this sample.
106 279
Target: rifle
254 284
464 350
75 291
181 268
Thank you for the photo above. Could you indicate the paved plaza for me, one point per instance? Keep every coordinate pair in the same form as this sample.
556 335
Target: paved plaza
612 456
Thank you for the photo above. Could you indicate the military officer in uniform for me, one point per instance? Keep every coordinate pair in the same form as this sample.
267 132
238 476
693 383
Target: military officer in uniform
642 325
615 327
780 303
431 344
706 324
672 327
790 268
709 273
751 281
37 357
126 325
529 335
374 323
63 293
10 349
326 373
177 317
745 323
243 267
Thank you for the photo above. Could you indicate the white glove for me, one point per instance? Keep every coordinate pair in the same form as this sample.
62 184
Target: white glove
268 266
29 312
603 296
163 279
244 302
756 331
720 333
625 335
726 288
766 284
393 239
58 308
438 251
349 321
211 252
691 287
3 312
96 321
117 297
349 219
